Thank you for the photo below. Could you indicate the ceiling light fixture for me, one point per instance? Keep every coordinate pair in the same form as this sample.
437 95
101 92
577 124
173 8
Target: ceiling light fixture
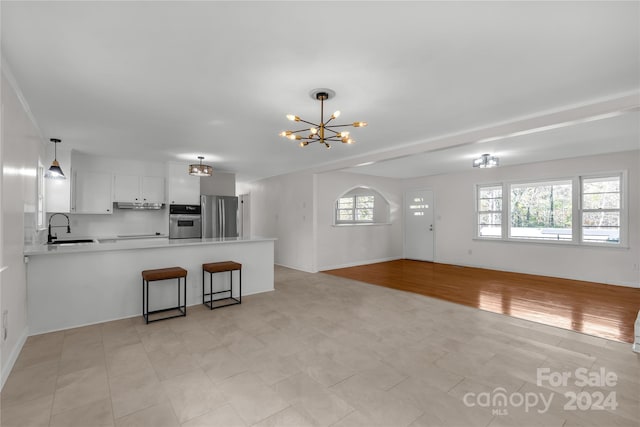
486 161
198 169
323 132
55 171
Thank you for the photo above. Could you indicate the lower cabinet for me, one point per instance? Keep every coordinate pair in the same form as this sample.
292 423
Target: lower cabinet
92 193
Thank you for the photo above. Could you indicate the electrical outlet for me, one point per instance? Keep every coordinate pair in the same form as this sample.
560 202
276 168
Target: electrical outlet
5 324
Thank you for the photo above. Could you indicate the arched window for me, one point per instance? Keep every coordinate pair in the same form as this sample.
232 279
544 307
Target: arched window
361 205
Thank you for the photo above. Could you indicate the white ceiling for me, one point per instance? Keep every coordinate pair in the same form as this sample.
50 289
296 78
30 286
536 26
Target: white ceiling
173 80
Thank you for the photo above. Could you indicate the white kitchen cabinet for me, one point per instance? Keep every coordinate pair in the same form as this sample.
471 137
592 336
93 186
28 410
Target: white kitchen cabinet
92 193
153 189
182 188
138 189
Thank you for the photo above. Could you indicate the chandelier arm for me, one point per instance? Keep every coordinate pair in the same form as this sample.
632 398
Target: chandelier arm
309 123
299 130
338 126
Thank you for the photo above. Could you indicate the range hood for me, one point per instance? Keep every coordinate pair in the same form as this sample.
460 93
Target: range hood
138 206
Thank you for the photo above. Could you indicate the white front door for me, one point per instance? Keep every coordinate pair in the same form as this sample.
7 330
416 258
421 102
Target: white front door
418 225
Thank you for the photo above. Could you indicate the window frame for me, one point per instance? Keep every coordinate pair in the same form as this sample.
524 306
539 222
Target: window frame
354 210
507 221
622 242
478 212
576 210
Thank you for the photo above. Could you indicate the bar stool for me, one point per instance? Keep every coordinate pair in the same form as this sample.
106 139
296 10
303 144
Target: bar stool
220 267
164 274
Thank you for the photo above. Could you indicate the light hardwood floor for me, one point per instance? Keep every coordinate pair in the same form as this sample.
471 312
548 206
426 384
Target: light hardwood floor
605 311
320 350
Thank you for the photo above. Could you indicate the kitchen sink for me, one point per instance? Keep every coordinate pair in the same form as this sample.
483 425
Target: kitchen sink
71 241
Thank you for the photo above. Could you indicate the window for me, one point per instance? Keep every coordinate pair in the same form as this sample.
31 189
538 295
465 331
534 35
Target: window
545 210
354 209
40 207
601 209
489 211
541 211
361 205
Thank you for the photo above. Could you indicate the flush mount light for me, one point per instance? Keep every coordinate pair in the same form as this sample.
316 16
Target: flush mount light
55 172
199 169
486 161
323 132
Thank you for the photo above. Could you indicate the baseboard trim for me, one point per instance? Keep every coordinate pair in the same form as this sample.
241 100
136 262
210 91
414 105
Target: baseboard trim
538 273
13 357
295 268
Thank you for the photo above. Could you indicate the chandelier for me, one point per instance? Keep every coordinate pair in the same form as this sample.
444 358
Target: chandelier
323 132
198 169
486 161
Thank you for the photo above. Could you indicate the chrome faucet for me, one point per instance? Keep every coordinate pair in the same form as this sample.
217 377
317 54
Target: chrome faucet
51 237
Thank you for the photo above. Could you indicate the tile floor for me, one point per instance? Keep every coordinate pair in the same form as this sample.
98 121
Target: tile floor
322 351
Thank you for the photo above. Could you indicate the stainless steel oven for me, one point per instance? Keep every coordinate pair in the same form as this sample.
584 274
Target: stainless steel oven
185 222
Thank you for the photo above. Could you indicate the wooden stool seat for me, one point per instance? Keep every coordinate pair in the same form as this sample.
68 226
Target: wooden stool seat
220 267
164 274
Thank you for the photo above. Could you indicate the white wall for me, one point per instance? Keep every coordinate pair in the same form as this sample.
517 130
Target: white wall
282 207
454 212
218 184
22 148
342 246
297 209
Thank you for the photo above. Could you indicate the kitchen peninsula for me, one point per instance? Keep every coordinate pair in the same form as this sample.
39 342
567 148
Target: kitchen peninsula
75 285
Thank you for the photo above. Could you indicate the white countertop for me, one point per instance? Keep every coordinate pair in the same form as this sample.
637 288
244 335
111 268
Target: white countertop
129 244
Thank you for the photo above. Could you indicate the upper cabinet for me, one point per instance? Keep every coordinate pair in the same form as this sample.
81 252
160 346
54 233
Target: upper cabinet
153 189
138 189
92 193
182 188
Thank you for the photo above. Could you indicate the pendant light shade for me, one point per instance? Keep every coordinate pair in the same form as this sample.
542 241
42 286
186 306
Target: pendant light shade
55 171
198 169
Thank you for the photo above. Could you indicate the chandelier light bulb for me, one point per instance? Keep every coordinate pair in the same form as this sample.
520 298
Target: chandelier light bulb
335 115
344 134
359 124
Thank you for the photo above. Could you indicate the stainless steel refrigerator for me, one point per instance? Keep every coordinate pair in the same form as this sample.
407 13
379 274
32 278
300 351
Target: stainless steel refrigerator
219 216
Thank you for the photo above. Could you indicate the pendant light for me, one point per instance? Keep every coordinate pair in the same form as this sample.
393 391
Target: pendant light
55 172
198 169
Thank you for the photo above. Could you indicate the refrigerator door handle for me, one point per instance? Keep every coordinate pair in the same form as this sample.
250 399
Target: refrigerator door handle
224 223
219 218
